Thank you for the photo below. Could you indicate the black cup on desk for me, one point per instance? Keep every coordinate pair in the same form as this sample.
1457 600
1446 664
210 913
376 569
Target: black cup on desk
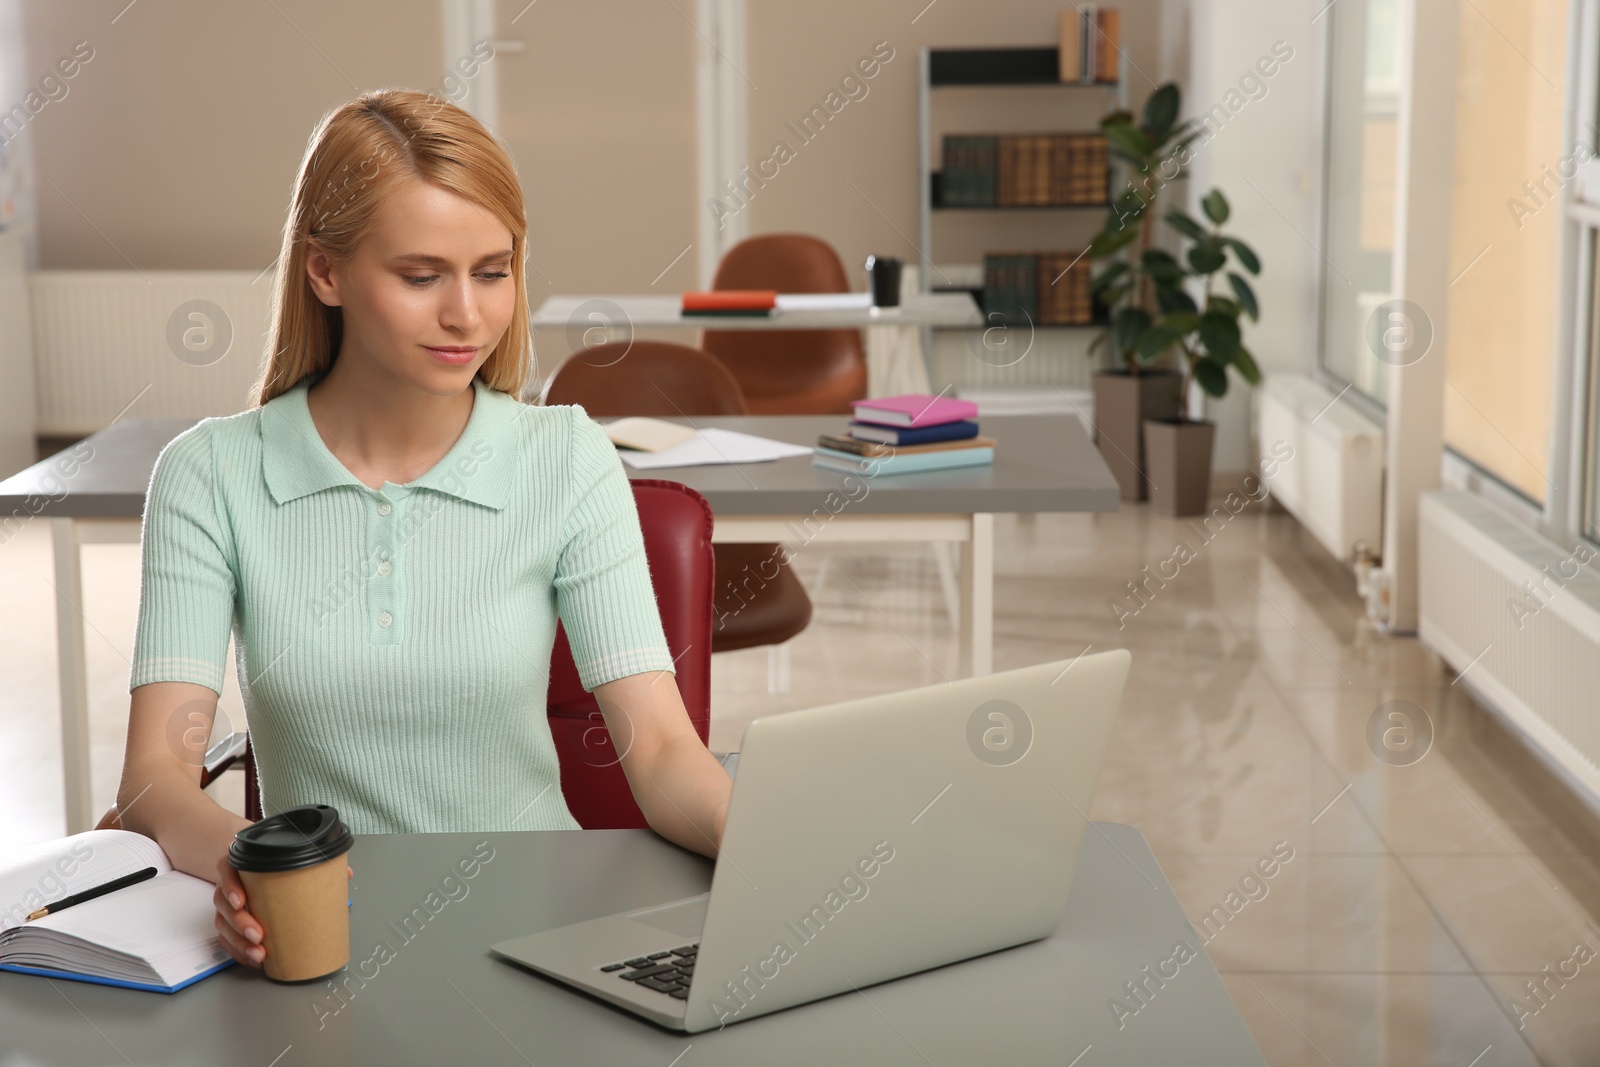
884 274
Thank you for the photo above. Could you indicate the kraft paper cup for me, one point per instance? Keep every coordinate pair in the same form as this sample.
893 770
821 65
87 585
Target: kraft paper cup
293 866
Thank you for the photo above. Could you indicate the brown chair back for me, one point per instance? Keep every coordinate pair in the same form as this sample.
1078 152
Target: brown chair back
645 378
789 372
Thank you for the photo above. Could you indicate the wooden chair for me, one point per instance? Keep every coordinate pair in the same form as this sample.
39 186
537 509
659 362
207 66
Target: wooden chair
676 521
789 372
758 601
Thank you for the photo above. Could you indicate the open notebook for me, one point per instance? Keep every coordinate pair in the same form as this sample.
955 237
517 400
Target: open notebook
154 935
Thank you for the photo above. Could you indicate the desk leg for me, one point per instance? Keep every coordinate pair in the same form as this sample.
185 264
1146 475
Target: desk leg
895 361
73 667
975 639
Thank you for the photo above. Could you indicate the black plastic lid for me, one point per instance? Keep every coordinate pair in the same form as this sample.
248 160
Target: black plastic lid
289 840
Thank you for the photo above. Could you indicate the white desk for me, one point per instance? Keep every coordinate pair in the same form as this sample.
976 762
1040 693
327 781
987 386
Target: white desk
894 335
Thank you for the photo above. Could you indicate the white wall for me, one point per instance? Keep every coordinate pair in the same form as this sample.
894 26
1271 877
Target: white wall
1267 159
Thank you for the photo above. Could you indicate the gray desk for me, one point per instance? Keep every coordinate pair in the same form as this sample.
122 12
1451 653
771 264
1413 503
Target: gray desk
1042 463
894 335
441 998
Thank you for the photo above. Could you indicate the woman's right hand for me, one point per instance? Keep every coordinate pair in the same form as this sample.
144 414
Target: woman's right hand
241 932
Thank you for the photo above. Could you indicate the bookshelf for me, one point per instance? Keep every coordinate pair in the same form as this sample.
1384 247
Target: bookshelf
985 86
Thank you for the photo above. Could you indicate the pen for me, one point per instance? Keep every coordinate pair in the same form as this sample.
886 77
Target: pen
98 891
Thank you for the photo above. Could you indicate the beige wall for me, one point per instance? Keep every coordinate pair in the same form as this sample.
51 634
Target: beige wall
177 143
179 140
797 52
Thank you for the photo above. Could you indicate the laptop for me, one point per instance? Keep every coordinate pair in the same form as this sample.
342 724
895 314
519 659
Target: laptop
866 840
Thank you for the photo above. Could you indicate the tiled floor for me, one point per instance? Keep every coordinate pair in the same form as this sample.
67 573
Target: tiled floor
1418 901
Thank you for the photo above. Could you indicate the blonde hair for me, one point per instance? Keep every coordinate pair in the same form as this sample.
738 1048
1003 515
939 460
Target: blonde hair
357 154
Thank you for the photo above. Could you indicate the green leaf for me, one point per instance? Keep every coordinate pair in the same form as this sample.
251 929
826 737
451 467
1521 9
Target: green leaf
1115 270
1156 340
1120 117
1126 326
1246 295
1160 112
1099 339
1216 206
1245 364
1131 141
1185 322
1173 298
1211 376
1186 226
1113 296
1219 332
1224 304
1207 256
1161 266
1112 240
1246 256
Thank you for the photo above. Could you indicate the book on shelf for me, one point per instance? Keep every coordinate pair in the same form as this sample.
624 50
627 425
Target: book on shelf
857 447
1064 298
904 435
913 410
1025 170
1087 40
155 935
1107 40
902 463
1044 288
1010 288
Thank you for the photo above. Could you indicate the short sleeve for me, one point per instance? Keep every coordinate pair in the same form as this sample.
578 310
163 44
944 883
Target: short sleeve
186 588
603 591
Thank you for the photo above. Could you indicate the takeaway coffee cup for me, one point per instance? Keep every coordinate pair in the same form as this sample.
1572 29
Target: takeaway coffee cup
884 271
293 867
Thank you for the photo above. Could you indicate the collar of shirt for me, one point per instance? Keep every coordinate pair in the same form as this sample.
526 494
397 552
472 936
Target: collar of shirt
296 461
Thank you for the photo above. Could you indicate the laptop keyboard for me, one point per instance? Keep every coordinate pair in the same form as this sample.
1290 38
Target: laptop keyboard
665 972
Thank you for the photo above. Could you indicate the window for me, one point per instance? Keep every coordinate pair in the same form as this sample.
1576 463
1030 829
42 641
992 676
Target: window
1505 231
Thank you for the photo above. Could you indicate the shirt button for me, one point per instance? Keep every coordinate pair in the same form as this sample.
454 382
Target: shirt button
383 509
384 619
385 567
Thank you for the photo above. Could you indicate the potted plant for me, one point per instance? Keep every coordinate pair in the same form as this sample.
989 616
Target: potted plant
1154 317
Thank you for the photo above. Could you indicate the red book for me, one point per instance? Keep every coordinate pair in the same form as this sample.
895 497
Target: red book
731 300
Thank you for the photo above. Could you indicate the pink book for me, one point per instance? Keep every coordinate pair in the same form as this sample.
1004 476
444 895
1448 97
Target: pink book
914 409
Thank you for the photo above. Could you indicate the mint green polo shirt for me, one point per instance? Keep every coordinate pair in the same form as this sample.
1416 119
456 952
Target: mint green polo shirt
393 645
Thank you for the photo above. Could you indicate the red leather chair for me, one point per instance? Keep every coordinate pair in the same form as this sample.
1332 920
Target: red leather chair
660 379
676 521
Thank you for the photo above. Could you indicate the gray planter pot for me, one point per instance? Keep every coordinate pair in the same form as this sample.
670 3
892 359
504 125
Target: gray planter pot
1178 462
1122 404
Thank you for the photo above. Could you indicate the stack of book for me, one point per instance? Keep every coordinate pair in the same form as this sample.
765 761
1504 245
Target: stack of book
1046 288
911 432
1024 170
1089 44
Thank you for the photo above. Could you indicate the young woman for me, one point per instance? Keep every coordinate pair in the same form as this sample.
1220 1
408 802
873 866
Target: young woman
390 535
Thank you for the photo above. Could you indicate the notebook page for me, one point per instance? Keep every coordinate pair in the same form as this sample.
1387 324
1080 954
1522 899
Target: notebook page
166 921
54 869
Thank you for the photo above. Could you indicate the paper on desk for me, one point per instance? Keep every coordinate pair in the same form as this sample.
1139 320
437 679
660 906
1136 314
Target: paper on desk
649 435
824 301
713 445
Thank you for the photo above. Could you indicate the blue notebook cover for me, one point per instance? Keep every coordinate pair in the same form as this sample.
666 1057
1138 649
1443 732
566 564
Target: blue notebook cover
832 459
74 977
922 435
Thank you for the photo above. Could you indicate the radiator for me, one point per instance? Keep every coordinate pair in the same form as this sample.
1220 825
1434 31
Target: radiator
1497 604
1334 484
109 342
